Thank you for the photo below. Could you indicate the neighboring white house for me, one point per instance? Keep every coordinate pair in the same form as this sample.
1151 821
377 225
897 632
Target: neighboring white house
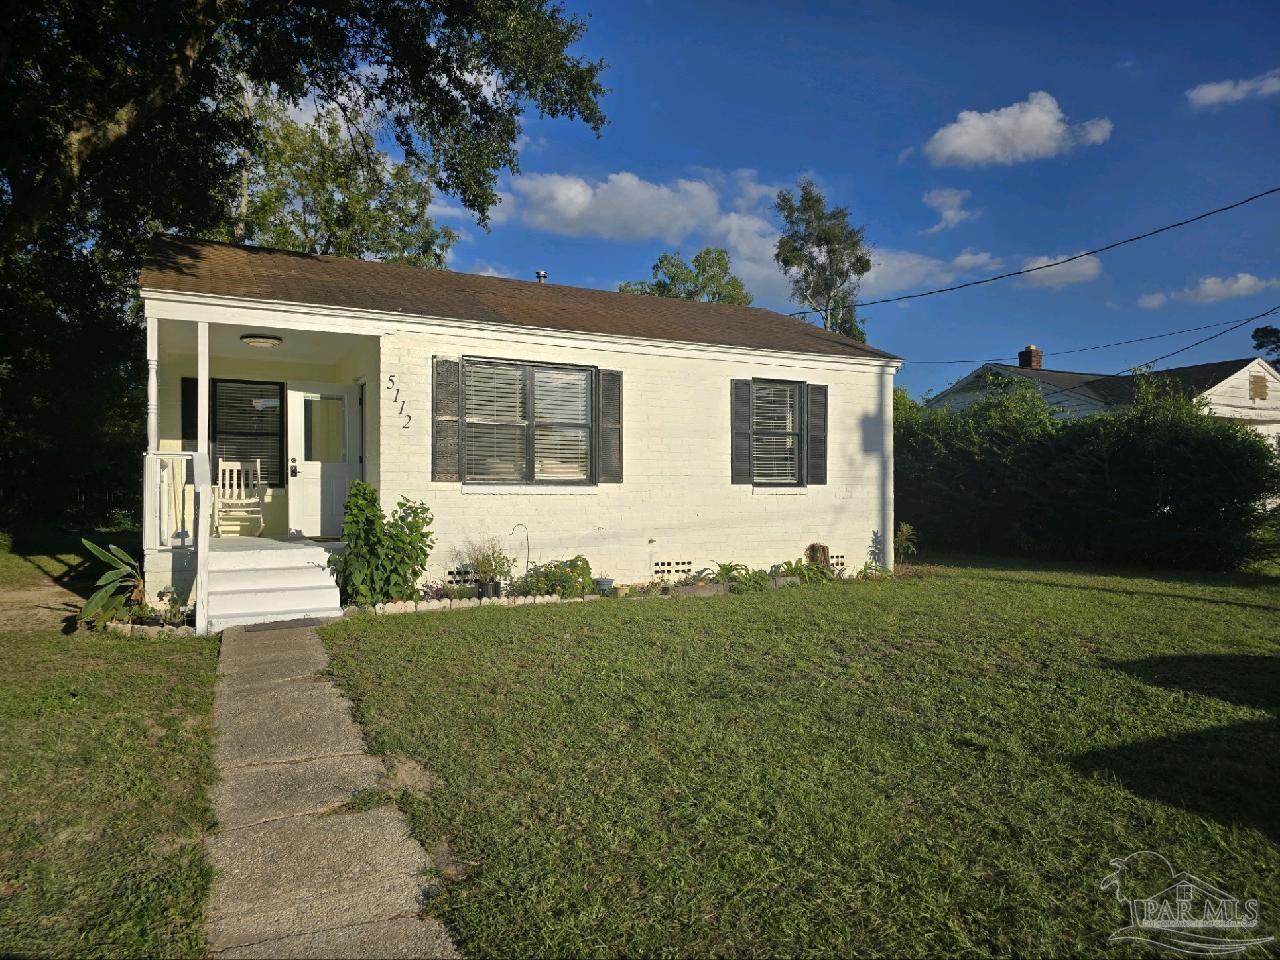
1247 390
653 436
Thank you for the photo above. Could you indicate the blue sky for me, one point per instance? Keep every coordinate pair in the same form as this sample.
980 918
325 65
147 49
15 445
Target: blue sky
1080 126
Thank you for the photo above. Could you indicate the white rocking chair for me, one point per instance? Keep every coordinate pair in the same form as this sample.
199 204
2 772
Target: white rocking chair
240 494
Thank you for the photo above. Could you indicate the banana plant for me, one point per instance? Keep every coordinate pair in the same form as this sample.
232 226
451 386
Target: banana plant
122 583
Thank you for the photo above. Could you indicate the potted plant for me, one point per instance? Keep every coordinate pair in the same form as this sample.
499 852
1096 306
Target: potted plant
489 566
604 585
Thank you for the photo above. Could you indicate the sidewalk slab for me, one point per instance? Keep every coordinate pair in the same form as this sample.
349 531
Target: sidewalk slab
405 937
289 722
255 794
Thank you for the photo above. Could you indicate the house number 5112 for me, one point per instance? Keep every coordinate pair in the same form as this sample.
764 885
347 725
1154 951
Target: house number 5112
392 385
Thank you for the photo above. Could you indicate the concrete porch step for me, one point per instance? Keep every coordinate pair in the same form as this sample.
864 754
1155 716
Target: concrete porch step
222 622
267 597
274 578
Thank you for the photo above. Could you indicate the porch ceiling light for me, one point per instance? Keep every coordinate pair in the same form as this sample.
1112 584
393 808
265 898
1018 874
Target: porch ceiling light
264 340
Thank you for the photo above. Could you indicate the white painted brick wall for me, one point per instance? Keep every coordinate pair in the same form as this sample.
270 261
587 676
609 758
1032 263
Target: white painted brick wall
675 501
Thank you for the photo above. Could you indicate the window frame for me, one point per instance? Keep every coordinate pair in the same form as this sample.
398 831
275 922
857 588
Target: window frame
284 423
531 423
800 433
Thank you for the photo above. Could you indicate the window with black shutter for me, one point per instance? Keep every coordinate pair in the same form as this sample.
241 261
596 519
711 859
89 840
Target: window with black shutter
247 424
525 423
778 433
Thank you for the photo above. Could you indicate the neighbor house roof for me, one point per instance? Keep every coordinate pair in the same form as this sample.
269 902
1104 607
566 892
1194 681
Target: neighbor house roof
1118 389
207 267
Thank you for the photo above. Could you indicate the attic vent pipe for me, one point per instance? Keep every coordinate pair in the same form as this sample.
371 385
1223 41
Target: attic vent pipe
542 276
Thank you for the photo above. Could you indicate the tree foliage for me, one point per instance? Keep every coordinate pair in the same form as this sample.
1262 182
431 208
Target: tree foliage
1266 340
84 86
325 187
709 278
824 257
124 118
1161 484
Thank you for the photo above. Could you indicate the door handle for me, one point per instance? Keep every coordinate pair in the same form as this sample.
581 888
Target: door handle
293 469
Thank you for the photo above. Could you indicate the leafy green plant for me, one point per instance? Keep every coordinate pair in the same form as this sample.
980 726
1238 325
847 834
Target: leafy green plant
566 578
728 572
486 560
805 572
385 557
750 581
120 585
904 541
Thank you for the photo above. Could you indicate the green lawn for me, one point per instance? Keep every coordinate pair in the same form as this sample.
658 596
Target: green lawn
106 761
938 763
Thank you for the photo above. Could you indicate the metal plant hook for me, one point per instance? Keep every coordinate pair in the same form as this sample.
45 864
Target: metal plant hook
526 544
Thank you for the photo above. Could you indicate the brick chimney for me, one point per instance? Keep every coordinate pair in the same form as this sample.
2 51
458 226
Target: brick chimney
1031 356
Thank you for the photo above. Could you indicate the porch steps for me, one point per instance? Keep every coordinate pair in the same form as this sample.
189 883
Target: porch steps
250 582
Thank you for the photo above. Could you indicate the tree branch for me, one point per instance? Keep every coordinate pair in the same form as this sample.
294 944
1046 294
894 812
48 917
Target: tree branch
31 208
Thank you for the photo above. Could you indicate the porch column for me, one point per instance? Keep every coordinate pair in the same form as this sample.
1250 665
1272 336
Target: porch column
202 388
153 389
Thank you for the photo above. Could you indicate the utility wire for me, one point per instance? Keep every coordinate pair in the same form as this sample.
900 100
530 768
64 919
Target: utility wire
1100 346
1173 353
1058 263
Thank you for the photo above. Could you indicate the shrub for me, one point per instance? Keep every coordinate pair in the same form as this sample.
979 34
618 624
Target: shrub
750 581
485 560
566 578
904 542
1161 483
385 557
805 572
120 585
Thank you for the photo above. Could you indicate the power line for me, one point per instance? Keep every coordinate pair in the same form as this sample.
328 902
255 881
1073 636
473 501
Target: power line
1058 263
1100 346
1235 325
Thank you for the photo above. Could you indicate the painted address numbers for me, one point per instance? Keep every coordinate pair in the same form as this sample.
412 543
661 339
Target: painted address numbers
395 399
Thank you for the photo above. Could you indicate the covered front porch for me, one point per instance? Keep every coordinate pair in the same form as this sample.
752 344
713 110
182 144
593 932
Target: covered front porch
254 435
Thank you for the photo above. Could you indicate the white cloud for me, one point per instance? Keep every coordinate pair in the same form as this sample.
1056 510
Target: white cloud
1233 91
621 207
1211 290
1033 129
976 260
1077 271
486 269
949 204
893 271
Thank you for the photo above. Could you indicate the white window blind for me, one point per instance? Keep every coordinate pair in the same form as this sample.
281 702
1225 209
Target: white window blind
775 432
248 425
526 422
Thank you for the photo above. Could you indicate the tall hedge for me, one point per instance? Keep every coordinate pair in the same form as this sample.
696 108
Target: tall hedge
1161 483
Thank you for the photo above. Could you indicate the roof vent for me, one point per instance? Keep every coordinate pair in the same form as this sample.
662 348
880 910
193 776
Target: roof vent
1031 357
542 276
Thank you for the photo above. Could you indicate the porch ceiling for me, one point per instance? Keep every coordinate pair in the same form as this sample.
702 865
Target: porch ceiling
296 346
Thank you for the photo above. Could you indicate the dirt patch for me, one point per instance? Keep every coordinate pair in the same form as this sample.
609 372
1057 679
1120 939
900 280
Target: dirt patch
445 863
406 774
48 606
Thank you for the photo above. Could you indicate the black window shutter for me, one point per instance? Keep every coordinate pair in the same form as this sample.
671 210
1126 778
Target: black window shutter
740 430
816 434
190 415
610 406
446 425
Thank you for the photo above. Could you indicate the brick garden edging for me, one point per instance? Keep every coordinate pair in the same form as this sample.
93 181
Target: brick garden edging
424 606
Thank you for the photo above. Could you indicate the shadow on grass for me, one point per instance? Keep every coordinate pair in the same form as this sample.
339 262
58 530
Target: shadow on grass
1130 592
1226 773
1191 578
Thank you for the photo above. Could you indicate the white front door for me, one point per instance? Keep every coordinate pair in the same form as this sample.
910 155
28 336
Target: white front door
324 455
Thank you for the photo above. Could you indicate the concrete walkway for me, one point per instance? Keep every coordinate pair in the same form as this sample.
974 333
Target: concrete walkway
296 875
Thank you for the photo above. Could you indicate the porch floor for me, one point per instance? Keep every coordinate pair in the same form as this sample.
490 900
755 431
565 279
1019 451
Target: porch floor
238 544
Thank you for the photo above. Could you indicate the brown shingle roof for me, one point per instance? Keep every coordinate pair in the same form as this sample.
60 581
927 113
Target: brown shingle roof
204 266
1118 389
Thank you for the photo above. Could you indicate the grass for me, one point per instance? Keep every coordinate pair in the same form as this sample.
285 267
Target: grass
106 759
938 763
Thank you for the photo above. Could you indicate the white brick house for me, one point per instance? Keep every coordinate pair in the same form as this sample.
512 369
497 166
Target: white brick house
649 435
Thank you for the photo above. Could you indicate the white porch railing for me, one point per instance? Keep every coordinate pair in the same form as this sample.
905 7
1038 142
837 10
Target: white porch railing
203 516
168 501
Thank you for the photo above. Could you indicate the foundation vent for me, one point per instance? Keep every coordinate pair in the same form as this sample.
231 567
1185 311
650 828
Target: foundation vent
461 577
672 568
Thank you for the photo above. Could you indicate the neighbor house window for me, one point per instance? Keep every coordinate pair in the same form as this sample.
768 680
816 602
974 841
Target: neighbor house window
247 424
526 423
778 432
